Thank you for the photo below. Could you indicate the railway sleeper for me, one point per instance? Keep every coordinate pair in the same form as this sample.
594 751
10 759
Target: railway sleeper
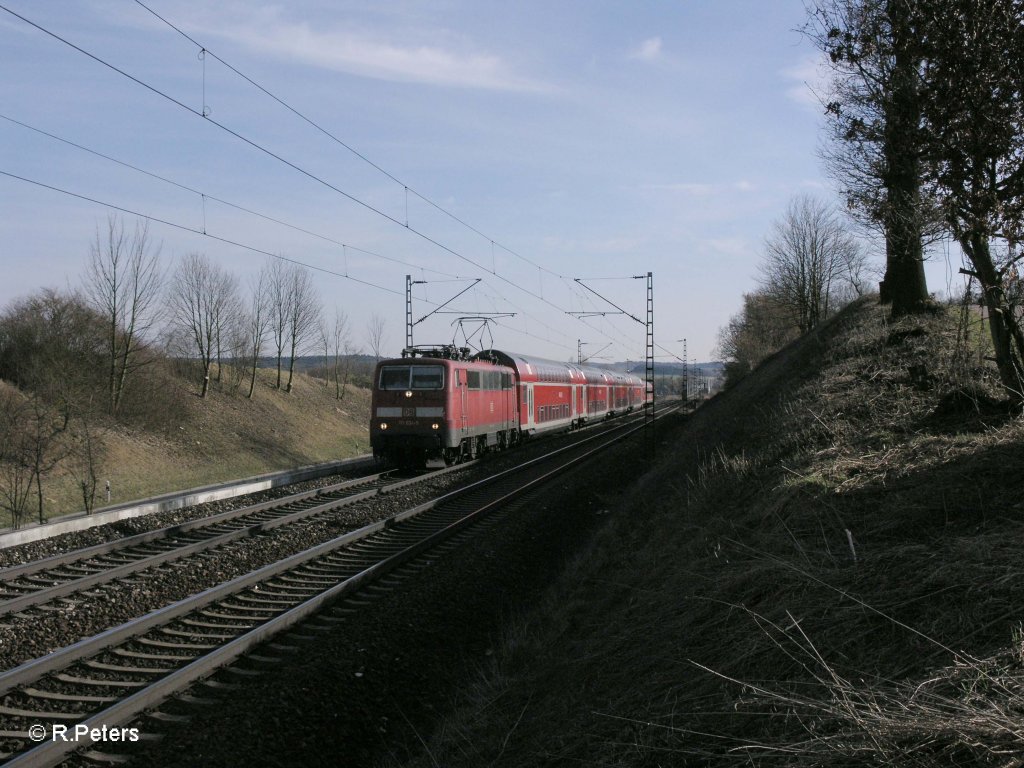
293 600
108 758
199 635
37 715
230 617
125 653
167 717
175 645
243 672
76 680
289 597
263 659
107 667
35 693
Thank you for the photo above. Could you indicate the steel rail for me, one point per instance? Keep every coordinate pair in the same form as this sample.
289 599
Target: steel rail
51 752
115 572
102 573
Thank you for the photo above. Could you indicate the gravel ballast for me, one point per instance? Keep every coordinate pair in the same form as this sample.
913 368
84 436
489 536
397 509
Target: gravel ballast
376 684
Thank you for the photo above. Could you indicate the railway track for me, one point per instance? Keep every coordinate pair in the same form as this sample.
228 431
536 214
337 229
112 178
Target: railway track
42 581
106 680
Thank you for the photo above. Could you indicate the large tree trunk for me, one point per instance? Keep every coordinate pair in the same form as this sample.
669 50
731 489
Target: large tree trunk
904 286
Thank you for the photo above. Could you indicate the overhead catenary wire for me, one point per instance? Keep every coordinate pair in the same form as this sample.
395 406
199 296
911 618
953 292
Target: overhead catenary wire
276 156
206 196
193 230
244 246
202 114
205 51
406 188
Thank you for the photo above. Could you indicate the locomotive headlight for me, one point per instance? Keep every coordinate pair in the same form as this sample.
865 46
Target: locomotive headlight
383 425
435 425
408 393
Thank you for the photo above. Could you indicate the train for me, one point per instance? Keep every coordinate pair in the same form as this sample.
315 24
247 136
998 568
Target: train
447 404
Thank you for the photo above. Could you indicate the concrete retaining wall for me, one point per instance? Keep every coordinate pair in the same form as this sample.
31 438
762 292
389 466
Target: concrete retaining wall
80 521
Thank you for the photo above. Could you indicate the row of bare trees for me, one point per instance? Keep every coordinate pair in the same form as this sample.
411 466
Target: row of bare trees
281 317
199 311
75 363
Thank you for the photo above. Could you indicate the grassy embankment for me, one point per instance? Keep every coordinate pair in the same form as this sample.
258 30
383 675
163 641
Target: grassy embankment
824 570
223 437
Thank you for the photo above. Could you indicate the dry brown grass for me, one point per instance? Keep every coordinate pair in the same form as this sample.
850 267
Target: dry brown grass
224 437
826 572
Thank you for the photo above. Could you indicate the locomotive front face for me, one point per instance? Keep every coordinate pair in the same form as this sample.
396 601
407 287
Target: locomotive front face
409 410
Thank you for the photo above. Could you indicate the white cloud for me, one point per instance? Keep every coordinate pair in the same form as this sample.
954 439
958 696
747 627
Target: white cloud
731 247
808 82
702 190
374 56
649 50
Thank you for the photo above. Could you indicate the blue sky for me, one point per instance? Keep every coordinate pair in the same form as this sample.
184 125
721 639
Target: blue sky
587 139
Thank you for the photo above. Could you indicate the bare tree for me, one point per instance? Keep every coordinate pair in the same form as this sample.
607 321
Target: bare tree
277 297
258 320
807 256
45 448
341 341
303 315
228 325
123 281
201 295
85 455
324 338
15 456
375 335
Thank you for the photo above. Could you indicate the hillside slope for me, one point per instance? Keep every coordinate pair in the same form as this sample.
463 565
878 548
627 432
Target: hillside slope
824 570
225 436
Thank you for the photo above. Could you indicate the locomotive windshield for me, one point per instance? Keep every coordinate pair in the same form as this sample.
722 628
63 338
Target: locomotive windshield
412 377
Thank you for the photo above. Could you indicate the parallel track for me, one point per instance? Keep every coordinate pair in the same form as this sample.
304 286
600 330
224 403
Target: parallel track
42 581
108 679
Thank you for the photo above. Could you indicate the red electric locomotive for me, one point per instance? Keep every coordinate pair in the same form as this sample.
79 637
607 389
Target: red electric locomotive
443 404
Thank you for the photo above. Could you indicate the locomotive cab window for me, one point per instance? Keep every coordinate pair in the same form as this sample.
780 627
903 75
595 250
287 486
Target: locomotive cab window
427 377
412 377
